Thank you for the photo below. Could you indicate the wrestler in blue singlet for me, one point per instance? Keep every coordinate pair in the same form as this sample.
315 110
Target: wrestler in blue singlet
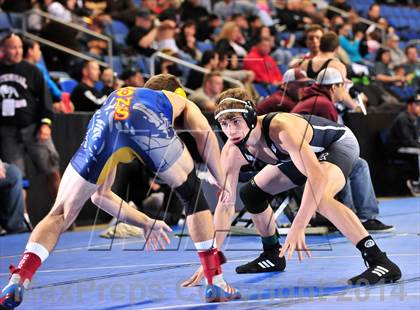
133 122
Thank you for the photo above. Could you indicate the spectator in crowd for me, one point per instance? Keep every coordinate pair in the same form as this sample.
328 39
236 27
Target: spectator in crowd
374 13
412 65
208 28
11 199
404 139
108 10
313 36
85 96
326 58
205 96
397 55
293 16
339 4
132 77
193 10
143 34
262 64
210 61
225 64
26 116
95 46
349 43
287 96
383 73
32 54
166 66
226 8
61 34
186 40
231 40
320 97
110 81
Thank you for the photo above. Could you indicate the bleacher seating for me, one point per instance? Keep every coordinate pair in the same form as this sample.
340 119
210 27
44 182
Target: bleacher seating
68 85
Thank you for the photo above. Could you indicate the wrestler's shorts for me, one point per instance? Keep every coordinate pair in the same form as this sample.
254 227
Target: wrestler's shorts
343 153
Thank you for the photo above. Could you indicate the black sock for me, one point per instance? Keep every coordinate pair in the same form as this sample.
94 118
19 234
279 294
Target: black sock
370 251
271 243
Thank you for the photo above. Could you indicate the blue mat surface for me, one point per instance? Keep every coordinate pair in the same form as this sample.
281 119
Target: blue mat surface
86 272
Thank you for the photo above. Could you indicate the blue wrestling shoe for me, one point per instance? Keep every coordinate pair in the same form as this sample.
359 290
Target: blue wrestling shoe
215 293
11 296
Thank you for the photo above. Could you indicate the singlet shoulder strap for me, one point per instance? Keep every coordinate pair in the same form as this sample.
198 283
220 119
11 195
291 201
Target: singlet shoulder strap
266 127
309 71
325 65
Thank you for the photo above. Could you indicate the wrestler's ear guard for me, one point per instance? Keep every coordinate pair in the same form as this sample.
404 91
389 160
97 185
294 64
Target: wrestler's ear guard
180 91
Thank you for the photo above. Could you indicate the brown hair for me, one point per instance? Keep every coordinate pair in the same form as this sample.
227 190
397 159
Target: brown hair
237 93
210 75
163 82
313 28
329 42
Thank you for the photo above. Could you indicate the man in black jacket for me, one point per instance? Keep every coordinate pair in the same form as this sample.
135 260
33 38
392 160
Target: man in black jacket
26 114
404 137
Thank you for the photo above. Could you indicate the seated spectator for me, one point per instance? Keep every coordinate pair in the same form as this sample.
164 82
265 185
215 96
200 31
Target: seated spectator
210 61
193 10
231 40
165 66
205 96
225 64
293 16
95 46
142 36
319 98
383 72
287 96
11 199
32 54
226 8
262 64
110 81
412 65
186 40
85 96
132 77
122 10
349 43
404 139
397 55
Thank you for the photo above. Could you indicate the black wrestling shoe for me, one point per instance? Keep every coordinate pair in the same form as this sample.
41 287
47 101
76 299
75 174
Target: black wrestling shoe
266 262
381 270
376 226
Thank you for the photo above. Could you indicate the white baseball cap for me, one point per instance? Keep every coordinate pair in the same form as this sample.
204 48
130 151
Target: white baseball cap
330 75
295 74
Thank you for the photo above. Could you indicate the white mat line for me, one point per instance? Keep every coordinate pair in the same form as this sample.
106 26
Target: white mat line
296 299
194 262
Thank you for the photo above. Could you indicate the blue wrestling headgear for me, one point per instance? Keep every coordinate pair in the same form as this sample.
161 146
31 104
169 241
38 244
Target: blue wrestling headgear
248 112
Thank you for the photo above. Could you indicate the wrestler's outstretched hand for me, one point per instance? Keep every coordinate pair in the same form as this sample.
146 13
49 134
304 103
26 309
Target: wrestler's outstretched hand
156 236
195 279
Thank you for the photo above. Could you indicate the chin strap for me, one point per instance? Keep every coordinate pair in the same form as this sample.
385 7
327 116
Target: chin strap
244 140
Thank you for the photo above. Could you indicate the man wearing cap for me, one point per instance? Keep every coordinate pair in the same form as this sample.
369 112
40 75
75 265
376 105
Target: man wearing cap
285 99
397 55
319 98
404 137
